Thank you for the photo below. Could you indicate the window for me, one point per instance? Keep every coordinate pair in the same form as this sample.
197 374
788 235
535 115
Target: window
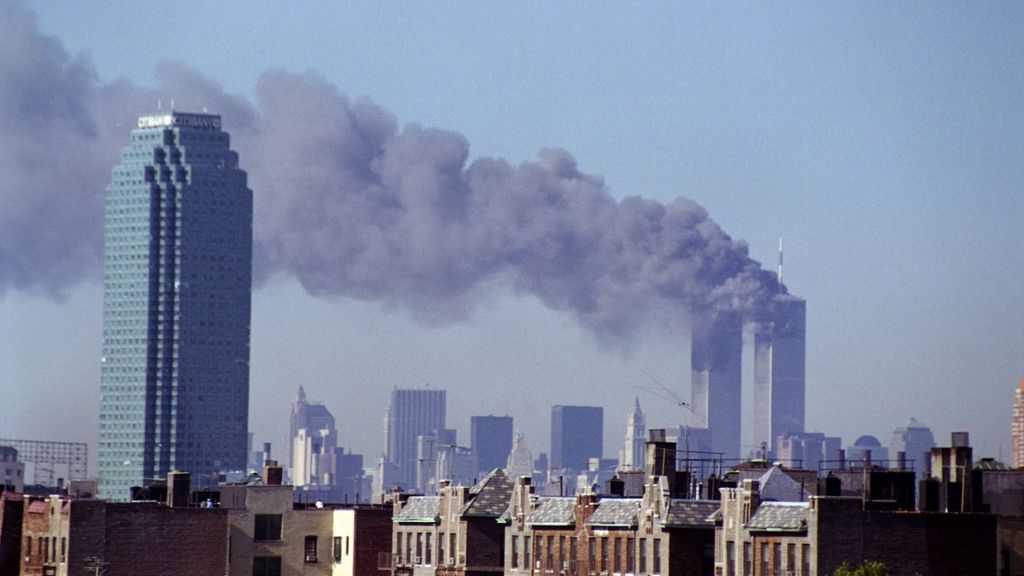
805 559
630 555
572 551
451 548
748 562
268 527
791 559
730 558
617 556
266 566
63 548
440 547
604 554
527 551
28 545
419 548
310 549
777 558
515 551
643 557
562 552
336 549
657 556
430 545
592 554
764 558
549 553
408 548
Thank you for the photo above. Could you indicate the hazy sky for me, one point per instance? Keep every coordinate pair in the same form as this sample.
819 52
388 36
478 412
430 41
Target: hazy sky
884 141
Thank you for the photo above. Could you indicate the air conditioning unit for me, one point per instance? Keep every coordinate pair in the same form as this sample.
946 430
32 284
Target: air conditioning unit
416 560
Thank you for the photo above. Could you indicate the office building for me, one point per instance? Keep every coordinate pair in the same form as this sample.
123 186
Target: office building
808 450
632 455
780 345
1017 427
410 414
176 303
520 459
911 445
716 351
314 443
491 440
867 450
577 435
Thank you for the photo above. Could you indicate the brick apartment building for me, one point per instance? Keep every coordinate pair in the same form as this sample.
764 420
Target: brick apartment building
774 538
656 534
455 533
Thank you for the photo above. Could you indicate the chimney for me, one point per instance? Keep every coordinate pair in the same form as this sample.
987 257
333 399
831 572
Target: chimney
272 473
178 489
659 455
750 496
961 440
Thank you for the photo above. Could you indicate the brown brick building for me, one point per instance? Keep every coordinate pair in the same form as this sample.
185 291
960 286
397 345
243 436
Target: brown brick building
766 538
655 534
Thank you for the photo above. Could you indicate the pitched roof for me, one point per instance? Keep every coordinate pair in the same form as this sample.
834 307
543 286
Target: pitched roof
777 485
780 517
615 512
491 495
690 513
420 509
553 511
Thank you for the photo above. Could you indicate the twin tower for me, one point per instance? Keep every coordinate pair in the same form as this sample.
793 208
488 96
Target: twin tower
779 377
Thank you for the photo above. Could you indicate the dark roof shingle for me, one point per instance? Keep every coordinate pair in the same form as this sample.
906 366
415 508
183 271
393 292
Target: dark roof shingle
780 517
490 496
615 512
420 509
690 513
552 511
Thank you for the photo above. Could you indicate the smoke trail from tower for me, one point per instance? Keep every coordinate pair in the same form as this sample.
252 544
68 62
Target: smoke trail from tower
353 205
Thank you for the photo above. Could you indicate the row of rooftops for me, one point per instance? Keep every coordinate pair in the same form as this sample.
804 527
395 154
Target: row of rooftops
559 511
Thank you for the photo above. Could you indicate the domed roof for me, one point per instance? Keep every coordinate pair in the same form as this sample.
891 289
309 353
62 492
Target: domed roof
868 441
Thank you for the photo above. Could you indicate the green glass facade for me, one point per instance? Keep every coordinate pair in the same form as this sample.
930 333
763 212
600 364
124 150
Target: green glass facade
176 306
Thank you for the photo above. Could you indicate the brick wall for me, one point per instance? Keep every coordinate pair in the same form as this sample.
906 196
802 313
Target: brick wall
373 537
10 533
485 544
154 539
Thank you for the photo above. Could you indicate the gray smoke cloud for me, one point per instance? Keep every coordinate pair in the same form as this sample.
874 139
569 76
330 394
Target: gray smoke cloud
353 205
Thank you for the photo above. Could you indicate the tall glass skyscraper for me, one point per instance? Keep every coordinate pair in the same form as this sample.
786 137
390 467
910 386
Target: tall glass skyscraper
176 303
577 435
411 413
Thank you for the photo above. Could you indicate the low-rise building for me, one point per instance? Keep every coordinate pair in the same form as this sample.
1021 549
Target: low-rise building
762 538
414 535
656 534
269 536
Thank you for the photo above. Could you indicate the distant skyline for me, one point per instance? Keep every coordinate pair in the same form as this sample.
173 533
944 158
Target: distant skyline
884 142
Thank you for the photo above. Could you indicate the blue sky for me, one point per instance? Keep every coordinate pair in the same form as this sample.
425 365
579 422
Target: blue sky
884 141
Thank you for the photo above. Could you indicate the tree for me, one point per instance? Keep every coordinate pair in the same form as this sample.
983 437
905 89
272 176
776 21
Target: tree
868 568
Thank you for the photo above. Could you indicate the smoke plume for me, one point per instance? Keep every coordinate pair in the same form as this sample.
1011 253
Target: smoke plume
352 204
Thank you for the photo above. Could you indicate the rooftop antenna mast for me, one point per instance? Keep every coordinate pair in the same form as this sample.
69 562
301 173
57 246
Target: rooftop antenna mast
780 260
668 394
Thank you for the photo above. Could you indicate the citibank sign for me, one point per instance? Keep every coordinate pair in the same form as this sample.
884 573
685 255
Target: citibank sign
180 120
